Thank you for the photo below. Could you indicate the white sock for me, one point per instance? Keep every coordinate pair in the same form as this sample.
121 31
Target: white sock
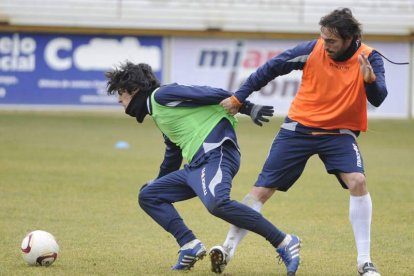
285 241
236 234
190 244
360 213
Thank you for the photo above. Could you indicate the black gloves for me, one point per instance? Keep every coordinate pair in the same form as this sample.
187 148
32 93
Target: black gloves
257 112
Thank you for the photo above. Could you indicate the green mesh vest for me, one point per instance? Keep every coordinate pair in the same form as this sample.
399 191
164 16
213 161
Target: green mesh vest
188 127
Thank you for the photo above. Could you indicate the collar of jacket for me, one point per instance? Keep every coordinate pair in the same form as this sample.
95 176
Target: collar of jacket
355 44
137 107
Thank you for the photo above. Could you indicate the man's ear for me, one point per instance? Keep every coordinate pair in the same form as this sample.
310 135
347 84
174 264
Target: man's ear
348 41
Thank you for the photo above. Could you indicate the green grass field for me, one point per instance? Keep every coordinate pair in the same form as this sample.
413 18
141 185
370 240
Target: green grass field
61 173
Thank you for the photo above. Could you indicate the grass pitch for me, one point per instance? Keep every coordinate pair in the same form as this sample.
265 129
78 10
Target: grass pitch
60 172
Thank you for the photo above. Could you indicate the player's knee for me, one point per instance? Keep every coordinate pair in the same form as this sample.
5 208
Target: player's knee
357 183
144 197
359 180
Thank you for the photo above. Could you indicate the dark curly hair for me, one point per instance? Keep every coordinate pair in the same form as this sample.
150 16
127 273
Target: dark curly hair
131 77
343 23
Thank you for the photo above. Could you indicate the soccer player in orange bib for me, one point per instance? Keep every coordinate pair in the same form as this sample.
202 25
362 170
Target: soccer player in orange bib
327 114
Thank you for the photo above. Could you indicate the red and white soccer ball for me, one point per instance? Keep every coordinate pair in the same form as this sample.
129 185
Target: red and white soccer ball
39 248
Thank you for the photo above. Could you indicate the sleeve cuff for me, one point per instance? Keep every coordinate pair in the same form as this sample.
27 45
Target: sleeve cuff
235 101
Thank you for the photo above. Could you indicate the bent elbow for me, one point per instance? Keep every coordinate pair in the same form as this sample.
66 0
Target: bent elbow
376 103
377 99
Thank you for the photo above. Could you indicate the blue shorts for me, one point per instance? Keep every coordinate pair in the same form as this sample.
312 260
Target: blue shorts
291 150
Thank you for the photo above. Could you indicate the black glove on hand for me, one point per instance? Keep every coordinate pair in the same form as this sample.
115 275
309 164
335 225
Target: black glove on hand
257 112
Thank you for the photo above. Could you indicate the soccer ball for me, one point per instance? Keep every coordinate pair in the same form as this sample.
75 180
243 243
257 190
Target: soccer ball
39 248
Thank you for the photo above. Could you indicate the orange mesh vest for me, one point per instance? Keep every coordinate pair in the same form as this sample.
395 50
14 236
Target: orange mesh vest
331 94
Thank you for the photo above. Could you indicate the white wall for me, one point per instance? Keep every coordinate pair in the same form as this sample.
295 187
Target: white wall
378 16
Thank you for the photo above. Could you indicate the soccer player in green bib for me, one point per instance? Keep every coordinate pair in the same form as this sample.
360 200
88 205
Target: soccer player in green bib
195 127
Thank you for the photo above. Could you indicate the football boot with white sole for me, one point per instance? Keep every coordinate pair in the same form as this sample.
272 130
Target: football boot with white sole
368 269
188 257
289 254
219 258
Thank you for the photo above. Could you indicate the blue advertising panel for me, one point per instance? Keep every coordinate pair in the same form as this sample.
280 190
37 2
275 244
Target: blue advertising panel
57 70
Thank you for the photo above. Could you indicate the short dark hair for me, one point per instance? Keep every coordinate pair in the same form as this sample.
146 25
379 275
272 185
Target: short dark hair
131 77
343 23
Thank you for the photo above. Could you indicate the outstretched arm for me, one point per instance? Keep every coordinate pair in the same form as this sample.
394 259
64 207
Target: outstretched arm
176 95
286 62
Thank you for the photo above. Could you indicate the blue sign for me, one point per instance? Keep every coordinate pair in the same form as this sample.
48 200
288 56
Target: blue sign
49 69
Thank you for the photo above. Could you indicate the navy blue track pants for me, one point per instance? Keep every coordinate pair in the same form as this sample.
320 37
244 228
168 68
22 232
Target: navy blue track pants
210 179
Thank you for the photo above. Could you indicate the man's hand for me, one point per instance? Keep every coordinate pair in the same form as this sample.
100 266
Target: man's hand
366 69
231 105
257 112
